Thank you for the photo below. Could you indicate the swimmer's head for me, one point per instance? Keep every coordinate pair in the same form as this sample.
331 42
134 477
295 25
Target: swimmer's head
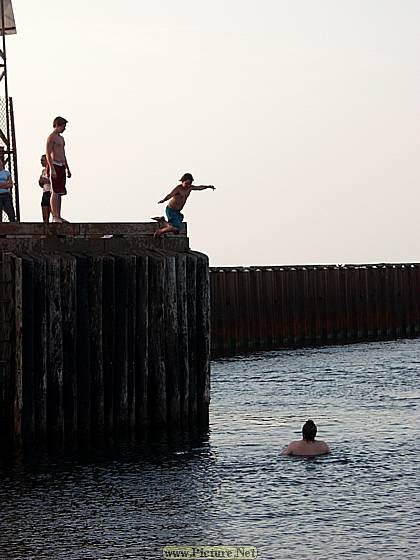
309 430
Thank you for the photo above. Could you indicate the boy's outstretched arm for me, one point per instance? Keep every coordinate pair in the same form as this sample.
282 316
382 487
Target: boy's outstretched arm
169 196
202 187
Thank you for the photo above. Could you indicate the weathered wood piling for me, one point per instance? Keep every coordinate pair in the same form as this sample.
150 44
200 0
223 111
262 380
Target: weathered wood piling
262 308
100 338
103 338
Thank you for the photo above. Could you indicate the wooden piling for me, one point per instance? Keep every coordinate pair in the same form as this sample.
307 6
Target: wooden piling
192 335
55 400
84 371
183 354
156 398
317 304
69 324
108 339
28 339
131 342
113 335
121 343
171 344
203 340
40 298
95 303
142 343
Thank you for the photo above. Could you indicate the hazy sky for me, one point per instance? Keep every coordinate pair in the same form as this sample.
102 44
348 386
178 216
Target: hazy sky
304 114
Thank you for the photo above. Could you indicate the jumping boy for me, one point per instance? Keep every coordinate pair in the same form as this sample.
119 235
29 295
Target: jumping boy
177 199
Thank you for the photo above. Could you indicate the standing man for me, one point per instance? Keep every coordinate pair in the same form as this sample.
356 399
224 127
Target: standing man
57 163
6 199
177 199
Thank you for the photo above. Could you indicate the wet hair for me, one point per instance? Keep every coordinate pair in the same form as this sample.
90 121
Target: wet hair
59 121
187 177
309 430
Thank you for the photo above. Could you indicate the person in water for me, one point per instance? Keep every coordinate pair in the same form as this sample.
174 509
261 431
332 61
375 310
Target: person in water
307 446
177 199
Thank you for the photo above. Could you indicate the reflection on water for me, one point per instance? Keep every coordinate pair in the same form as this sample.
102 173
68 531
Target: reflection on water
232 486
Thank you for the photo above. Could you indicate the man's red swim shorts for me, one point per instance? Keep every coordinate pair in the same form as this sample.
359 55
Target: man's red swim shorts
58 183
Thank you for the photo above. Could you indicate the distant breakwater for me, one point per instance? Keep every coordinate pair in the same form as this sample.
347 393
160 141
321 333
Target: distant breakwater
100 338
263 308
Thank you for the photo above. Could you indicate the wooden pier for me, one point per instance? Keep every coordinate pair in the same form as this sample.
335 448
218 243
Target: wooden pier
105 329
104 333
263 308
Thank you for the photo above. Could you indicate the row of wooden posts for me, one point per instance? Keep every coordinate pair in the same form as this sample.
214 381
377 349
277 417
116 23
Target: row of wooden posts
97 345
106 338
261 308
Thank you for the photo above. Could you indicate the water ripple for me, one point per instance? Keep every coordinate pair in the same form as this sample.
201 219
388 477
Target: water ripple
233 486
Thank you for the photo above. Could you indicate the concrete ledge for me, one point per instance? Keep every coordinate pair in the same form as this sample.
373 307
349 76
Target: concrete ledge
35 230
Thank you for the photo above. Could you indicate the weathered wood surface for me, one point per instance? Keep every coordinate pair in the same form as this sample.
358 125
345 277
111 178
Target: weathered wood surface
142 344
82 229
55 385
171 344
259 308
40 296
121 343
192 336
203 340
95 302
157 364
84 370
183 347
100 338
117 229
108 342
131 342
28 339
69 328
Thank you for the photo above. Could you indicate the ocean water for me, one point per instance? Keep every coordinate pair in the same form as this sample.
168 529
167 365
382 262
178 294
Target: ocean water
232 486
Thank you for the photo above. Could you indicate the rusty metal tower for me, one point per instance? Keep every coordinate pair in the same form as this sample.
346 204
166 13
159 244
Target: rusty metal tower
7 122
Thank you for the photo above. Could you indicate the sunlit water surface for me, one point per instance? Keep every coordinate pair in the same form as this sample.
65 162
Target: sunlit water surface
234 487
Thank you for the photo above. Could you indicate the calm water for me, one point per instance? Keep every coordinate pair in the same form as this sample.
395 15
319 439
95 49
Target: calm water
234 488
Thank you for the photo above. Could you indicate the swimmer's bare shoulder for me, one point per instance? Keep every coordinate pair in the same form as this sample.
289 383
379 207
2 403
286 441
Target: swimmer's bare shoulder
291 449
324 447
302 448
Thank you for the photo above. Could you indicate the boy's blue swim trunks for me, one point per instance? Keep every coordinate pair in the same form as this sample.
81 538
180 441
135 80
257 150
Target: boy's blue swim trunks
174 217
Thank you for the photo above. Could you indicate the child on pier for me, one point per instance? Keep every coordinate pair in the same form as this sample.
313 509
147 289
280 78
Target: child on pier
177 199
45 183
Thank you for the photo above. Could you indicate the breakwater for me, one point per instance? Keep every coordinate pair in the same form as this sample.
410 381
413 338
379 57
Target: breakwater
100 337
261 308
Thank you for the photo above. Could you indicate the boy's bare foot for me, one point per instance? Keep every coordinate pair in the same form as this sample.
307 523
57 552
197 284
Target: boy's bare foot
58 220
159 219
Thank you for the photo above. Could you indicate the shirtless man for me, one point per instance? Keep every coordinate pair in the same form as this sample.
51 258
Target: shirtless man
177 199
307 446
57 163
